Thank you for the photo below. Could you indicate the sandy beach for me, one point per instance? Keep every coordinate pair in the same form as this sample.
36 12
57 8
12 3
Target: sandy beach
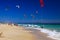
12 32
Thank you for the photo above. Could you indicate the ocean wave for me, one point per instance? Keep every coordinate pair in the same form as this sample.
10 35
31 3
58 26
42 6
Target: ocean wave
51 33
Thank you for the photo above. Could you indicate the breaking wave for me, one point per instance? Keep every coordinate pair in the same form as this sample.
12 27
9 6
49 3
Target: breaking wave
51 33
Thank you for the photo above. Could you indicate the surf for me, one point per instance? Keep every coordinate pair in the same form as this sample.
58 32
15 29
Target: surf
51 33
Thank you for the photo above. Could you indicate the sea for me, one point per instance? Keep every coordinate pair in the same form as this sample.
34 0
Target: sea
52 30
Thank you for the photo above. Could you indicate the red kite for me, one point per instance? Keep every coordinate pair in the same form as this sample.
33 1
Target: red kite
42 3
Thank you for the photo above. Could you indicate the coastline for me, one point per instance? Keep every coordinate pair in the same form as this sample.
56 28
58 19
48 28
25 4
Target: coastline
12 32
39 35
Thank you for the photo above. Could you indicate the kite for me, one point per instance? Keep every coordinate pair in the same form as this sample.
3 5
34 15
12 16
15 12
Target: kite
7 8
36 11
25 16
18 6
32 16
42 3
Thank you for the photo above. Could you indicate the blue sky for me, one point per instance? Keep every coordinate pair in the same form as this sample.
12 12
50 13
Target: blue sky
26 12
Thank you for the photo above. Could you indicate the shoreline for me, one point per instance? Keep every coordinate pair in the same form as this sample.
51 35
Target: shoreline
12 32
39 35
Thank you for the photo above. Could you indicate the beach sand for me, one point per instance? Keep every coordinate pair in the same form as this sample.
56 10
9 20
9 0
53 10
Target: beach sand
11 32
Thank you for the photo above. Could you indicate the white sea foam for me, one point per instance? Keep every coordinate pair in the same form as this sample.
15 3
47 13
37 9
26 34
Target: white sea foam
51 33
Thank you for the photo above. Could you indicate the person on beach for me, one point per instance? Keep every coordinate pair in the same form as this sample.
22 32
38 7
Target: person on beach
16 24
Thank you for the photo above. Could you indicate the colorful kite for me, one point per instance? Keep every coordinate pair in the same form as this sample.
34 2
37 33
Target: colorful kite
32 16
7 8
42 3
24 15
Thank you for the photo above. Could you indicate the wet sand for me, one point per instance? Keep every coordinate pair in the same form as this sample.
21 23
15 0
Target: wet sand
39 35
11 32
